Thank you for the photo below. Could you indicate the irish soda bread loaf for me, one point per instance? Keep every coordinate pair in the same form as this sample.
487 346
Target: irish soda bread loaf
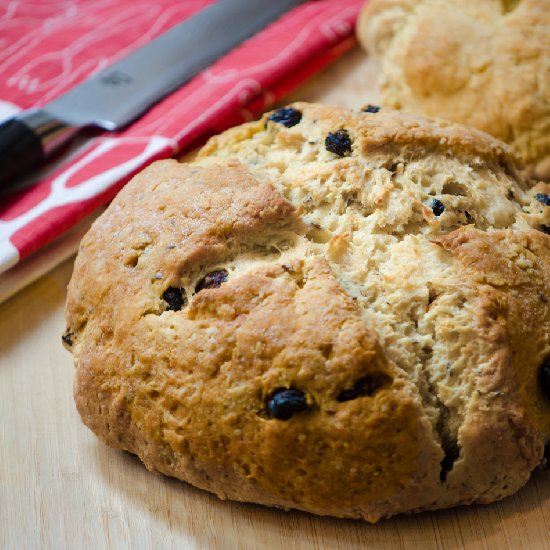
480 62
341 312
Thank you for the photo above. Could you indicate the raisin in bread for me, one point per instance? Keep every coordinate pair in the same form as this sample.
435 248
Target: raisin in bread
480 62
335 311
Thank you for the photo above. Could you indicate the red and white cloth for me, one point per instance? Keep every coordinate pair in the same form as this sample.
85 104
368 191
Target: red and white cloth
49 46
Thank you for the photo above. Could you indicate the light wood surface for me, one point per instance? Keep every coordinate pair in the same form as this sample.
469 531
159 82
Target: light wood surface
61 488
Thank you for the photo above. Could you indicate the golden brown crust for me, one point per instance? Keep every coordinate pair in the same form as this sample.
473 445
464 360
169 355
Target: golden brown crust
511 269
322 290
483 63
394 129
262 332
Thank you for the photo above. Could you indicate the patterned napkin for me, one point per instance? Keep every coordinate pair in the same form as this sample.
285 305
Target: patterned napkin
46 48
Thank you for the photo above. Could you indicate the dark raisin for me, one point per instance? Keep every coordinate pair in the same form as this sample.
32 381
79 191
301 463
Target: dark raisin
339 143
371 109
284 402
287 116
543 198
545 229
67 338
365 386
215 279
437 207
174 298
544 377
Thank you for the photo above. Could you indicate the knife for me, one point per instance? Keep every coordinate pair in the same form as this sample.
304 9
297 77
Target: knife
117 95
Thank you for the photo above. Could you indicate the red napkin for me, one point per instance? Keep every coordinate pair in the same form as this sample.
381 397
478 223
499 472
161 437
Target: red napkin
46 48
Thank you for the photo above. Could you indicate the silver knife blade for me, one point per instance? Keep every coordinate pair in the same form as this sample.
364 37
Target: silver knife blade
119 94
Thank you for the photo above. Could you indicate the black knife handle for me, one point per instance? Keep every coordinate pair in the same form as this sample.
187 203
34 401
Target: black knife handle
20 150
28 140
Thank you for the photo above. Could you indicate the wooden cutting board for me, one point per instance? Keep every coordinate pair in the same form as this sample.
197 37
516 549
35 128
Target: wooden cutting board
62 488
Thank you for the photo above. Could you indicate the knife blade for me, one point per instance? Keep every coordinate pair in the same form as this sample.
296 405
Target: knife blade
120 93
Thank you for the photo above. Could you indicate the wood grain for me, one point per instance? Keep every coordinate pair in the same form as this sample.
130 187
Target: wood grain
61 488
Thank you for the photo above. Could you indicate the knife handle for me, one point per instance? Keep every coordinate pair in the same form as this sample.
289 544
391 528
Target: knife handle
20 150
27 140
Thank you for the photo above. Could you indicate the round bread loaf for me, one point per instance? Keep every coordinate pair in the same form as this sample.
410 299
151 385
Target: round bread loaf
480 62
335 311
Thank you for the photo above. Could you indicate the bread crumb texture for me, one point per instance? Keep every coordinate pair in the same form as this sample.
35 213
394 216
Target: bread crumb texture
480 62
340 312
